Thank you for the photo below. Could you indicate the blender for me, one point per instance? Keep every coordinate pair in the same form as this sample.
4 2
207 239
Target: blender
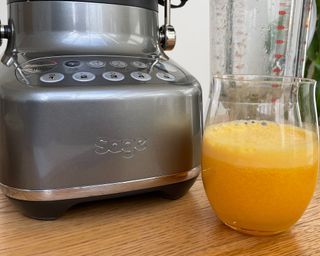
91 106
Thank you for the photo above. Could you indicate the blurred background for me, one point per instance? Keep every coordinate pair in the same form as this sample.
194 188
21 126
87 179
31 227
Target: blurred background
313 57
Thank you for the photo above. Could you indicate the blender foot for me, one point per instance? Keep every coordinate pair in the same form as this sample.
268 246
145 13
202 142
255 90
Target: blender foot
175 191
50 210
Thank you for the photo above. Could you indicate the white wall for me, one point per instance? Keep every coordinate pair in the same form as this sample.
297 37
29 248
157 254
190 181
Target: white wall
192 48
3 18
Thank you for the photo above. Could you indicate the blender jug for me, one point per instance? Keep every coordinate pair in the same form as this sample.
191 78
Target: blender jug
259 37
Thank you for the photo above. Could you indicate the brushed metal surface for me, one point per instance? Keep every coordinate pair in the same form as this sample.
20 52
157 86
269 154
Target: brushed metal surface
53 138
98 190
116 137
48 28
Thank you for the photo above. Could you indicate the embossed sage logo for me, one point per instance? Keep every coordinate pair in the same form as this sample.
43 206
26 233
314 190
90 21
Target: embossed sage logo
126 148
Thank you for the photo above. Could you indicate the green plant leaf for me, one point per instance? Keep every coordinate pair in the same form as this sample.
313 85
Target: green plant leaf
313 51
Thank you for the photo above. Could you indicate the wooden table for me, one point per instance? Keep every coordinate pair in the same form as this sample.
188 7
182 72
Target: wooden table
149 225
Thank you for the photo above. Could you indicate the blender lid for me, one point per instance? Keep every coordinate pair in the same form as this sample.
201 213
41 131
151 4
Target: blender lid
147 4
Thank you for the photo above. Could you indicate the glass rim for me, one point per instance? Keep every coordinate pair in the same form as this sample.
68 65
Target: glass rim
268 79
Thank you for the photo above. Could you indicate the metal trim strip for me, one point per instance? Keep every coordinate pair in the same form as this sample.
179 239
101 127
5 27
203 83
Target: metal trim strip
97 190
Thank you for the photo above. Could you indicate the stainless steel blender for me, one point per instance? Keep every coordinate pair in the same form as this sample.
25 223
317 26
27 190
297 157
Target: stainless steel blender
91 107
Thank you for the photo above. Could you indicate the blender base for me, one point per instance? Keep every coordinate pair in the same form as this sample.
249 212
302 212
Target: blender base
52 210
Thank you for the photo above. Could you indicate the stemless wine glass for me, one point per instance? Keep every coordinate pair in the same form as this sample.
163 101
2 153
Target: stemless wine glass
260 151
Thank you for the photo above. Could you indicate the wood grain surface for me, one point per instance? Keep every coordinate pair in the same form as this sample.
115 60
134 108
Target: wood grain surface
149 225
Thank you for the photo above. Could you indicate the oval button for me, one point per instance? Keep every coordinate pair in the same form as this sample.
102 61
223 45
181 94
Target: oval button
96 63
113 76
118 64
141 76
166 76
72 63
139 64
52 78
83 76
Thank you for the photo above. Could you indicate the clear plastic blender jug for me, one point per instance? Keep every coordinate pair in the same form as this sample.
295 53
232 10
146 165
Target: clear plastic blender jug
261 37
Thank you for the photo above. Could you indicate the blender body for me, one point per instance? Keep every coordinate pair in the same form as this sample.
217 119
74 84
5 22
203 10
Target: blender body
92 108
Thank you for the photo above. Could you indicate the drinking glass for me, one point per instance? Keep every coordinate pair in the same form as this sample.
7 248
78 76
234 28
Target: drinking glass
260 151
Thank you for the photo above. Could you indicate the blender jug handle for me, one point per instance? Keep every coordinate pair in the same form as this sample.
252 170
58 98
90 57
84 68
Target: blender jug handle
167 34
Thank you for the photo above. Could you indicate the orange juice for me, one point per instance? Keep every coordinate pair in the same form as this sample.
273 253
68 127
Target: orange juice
259 176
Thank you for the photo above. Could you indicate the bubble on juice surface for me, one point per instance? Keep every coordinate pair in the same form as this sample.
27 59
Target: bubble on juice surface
250 123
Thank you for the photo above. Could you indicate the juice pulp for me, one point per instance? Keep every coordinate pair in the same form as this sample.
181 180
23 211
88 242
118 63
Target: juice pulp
259 176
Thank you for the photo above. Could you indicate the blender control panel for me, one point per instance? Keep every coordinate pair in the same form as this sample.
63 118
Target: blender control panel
99 70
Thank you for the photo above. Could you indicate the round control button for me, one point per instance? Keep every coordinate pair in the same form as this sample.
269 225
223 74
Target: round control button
113 76
83 76
72 63
140 76
96 64
166 76
139 64
118 64
52 78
